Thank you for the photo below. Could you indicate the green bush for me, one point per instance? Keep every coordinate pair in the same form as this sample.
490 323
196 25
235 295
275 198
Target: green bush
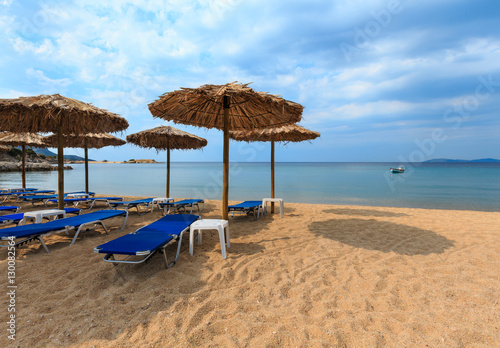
30 152
15 152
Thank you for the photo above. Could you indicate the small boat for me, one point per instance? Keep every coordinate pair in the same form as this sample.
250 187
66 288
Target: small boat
400 169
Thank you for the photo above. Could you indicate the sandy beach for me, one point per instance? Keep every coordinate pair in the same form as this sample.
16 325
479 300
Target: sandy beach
324 275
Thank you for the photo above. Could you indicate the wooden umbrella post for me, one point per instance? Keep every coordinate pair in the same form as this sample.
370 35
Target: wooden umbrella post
272 175
168 170
60 169
23 170
225 167
86 149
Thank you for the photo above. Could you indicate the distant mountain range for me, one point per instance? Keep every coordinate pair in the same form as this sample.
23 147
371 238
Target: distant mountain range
47 152
447 160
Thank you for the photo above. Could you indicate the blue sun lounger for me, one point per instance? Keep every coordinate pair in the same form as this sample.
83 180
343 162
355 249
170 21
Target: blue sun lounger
37 192
148 240
247 207
74 201
6 194
27 233
11 218
133 204
105 200
182 205
33 193
38 199
9 208
18 190
90 201
47 198
16 218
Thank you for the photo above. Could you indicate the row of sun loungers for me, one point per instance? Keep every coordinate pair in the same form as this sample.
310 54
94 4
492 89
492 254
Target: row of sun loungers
46 198
26 233
136 247
18 217
168 207
17 190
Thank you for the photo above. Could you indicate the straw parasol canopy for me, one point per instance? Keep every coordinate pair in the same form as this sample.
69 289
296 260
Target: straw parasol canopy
47 113
89 140
290 133
23 140
166 138
233 106
60 115
86 141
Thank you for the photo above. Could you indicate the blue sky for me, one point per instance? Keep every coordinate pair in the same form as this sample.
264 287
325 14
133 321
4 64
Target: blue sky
389 80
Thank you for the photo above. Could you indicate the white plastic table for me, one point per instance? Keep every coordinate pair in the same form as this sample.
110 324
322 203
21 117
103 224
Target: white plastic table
40 214
77 195
210 224
274 200
159 200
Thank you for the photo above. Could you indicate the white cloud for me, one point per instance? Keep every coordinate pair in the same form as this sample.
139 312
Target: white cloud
122 54
40 77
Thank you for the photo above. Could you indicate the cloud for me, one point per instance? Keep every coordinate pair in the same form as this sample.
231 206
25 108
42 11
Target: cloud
52 84
423 58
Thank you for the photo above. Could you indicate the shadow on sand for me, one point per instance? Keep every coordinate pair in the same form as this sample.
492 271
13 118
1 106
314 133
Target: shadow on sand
382 236
363 212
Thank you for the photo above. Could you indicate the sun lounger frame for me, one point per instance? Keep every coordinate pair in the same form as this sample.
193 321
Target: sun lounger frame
14 208
246 210
181 205
132 204
149 253
66 229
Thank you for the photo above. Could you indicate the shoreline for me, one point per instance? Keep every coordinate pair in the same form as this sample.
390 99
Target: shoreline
217 201
114 162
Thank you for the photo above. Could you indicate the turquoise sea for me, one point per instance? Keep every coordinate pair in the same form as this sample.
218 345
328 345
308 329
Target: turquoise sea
473 186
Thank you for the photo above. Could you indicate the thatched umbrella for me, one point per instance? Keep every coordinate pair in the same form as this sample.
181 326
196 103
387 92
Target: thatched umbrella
291 133
166 138
60 115
231 106
86 141
23 140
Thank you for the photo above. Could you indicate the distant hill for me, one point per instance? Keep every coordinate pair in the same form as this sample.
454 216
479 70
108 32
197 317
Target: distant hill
447 160
47 152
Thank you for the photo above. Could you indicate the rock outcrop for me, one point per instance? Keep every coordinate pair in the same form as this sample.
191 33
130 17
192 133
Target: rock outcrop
9 163
30 167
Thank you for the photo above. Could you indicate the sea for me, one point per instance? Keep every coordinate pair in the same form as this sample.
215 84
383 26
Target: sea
463 186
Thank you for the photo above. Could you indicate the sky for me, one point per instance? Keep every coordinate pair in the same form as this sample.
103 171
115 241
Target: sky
381 80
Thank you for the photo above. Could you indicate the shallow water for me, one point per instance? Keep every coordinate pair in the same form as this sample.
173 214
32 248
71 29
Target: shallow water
474 186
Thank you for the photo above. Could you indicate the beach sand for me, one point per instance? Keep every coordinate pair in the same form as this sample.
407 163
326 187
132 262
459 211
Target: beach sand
324 275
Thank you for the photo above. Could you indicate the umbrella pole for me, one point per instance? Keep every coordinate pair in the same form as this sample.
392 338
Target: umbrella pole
23 169
272 175
86 168
168 170
60 168
225 167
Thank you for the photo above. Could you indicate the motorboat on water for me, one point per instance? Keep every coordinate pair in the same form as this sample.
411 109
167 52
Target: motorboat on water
400 169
